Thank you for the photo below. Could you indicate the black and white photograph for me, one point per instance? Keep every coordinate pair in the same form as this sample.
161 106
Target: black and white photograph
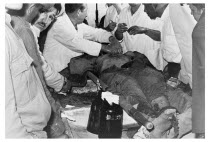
102 70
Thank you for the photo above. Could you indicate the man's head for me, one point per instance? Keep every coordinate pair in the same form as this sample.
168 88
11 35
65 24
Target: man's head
134 4
150 10
197 10
77 11
155 10
31 11
109 4
34 10
46 18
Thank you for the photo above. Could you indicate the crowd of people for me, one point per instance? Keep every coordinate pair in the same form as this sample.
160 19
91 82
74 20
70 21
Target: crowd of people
41 39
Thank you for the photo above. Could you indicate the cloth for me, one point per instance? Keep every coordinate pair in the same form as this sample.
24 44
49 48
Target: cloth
169 45
110 97
27 109
64 42
183 26
141 42
198 65
52 77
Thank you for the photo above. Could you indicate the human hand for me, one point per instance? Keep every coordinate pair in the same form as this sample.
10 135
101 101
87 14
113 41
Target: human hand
111 25
121 28
66 86
136 30
115 45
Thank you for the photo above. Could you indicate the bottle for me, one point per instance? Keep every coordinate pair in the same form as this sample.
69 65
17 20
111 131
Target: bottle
94 116
111 119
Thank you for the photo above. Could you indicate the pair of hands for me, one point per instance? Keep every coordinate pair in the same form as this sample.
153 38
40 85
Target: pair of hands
113 48
122 27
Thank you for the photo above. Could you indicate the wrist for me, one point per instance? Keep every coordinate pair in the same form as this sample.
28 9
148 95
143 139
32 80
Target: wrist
146 30
65 80
111 38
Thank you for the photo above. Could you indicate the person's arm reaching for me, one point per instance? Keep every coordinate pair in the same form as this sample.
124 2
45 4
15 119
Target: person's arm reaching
71 39
154 34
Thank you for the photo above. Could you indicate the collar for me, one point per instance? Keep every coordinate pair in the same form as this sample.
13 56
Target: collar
36 30
141 7
67 17
7 19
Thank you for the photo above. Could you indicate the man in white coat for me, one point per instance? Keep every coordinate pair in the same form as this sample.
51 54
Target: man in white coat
69 37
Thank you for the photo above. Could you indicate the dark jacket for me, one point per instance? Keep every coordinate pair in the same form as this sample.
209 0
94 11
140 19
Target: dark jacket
198 76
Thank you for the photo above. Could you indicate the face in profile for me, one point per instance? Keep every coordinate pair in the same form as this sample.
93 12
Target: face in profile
45 19
82 14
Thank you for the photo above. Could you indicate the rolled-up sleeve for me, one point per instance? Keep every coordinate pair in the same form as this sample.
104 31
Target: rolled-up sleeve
95 34
68 36
53 78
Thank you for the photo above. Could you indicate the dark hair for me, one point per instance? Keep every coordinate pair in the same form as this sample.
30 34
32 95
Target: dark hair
72 7
58 7
199 6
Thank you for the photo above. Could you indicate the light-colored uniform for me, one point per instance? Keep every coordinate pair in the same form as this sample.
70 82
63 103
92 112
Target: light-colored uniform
169 45
52 77
111 14
183 23
64 42
27 109
141 42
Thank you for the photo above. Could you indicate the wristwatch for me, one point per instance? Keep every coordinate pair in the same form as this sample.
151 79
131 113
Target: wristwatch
120 41
110 38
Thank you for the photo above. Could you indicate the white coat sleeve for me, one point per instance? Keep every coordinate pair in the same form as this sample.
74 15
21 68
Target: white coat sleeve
71 40
95 34
53 79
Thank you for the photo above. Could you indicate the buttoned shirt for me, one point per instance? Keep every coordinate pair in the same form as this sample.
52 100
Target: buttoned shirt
27 109
64 42
141 42
52 77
